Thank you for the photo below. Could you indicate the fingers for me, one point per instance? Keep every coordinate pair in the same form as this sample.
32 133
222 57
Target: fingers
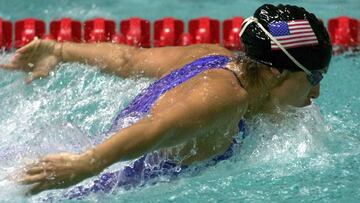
30 179
35 170
38 188
43 186
11 64
37 173
22 57
18 61
35 75
8 66
41 69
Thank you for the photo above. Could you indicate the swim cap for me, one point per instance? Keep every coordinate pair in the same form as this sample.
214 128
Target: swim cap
311 47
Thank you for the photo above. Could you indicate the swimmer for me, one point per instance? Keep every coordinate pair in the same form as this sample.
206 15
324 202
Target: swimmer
202 92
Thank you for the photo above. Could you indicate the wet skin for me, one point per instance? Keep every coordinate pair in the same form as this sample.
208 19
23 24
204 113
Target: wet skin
204 110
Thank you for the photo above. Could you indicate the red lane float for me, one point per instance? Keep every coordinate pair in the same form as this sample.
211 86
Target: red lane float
344 31
5 34
27 29
167 32
99 30
205 30
185 39
231 30
136 32
65 29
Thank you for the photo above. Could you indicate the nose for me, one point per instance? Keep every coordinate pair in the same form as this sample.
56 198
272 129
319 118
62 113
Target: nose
314 92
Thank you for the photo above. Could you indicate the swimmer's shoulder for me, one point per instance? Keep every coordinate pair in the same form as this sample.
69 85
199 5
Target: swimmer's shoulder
226 85
194 52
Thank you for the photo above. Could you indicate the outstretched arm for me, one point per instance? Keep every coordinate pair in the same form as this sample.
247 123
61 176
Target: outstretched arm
124 60
41 56
165 127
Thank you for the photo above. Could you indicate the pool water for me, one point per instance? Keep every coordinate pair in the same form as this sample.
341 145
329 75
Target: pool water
312 155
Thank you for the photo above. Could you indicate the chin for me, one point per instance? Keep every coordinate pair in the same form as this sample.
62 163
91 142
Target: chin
307 103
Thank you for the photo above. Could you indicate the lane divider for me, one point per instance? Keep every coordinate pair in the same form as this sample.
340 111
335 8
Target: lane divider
5 34
231 30
65 29
27 29
169 32
98 30
344 32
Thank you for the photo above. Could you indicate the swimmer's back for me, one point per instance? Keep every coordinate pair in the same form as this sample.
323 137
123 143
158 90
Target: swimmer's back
217 87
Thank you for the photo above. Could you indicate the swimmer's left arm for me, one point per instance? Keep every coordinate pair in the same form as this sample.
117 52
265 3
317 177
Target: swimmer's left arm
167 125
171 125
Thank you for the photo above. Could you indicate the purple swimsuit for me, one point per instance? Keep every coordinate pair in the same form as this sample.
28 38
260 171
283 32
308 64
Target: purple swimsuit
148 167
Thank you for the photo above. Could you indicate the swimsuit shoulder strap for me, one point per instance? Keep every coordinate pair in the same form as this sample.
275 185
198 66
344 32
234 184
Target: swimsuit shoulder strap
237 78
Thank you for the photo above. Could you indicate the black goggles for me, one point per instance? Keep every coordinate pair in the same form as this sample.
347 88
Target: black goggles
315 77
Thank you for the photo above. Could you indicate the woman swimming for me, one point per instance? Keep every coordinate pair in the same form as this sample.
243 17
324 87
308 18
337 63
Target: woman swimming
202 93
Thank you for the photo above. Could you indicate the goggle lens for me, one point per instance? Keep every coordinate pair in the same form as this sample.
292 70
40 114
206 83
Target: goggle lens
315 77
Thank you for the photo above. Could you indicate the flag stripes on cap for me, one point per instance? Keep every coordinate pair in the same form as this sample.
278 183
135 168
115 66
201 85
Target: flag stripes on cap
291 34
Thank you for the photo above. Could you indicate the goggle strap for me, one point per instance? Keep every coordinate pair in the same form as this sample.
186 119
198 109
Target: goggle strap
247 22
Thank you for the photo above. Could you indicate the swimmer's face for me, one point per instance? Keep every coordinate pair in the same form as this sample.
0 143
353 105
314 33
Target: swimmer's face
295 90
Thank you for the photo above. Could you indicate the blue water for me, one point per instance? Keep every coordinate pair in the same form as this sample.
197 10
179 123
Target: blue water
310 156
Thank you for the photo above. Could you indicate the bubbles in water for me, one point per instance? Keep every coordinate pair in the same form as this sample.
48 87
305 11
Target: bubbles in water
67 111
297 134
313 156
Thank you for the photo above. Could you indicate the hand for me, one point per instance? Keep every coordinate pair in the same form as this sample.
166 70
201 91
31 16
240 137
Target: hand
39 57
58 171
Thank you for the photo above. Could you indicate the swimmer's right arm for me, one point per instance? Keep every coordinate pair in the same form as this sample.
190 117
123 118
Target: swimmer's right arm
124 60
40 57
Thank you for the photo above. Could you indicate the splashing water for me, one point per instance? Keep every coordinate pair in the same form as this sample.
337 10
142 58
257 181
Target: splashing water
311 154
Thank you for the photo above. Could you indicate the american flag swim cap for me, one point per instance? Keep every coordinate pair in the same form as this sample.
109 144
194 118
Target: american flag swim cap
302 34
